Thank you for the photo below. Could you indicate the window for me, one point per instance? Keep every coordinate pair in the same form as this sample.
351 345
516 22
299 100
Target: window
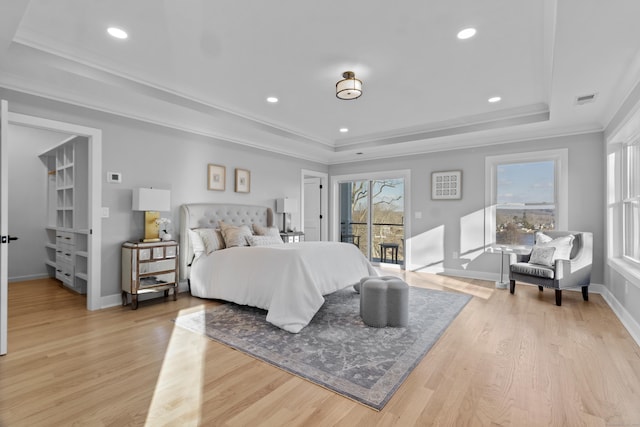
526 193
631 201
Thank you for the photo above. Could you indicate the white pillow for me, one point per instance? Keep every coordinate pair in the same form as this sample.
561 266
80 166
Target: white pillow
265 231
264 240
197 245
562 244
235 236
211 238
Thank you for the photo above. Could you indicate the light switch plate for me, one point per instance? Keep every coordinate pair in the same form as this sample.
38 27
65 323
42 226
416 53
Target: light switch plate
105 212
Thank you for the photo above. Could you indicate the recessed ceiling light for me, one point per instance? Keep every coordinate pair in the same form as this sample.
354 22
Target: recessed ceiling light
467 33
118 33
272 99
344 130
494 99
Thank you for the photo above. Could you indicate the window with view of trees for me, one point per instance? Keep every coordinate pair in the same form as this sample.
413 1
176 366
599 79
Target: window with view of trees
527 193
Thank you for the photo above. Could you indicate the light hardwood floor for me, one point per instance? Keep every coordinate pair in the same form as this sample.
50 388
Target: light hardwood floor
515 360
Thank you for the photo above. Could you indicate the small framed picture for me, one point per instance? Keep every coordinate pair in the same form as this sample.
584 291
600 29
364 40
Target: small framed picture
446 185
243 181
216 177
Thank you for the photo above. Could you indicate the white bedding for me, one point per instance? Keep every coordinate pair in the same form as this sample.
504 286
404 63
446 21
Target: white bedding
287 280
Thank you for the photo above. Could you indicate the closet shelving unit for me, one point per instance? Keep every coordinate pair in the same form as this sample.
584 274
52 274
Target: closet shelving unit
67 231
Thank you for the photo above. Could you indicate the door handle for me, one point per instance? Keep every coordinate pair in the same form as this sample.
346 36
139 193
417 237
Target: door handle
7 239
12 238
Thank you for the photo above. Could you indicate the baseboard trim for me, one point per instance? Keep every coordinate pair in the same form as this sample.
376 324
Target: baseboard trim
27 277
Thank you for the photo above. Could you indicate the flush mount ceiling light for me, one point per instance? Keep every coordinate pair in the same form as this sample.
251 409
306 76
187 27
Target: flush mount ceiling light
344 130
494 99
272 99
349 87
118 33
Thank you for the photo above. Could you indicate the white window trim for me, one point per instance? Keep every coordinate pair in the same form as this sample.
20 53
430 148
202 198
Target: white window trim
561 158
627 134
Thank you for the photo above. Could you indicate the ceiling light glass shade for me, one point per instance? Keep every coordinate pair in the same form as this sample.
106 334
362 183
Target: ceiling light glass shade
349 87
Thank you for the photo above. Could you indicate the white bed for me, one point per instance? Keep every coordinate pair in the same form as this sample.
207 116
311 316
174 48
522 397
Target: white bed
288 280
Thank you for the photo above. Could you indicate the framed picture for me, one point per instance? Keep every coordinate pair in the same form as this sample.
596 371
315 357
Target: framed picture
216 177
243 181
446 185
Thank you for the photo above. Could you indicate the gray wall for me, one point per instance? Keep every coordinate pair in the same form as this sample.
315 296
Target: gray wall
153 156
28 200
455 225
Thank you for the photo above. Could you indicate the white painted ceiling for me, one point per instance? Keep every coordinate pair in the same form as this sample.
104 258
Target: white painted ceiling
208 66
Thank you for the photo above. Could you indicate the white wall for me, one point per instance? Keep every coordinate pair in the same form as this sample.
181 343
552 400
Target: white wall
28 200
153 156
457 225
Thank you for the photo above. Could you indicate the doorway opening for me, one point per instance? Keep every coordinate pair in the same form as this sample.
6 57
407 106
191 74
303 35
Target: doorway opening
371 214
89 251
313 193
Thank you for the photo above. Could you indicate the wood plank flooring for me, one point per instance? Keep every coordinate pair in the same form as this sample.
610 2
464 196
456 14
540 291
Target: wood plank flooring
508 360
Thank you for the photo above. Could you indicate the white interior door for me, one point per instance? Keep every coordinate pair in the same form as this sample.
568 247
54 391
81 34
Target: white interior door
312 210
4 226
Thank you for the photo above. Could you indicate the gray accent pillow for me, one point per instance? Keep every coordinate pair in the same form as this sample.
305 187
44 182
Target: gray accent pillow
542 255
264 240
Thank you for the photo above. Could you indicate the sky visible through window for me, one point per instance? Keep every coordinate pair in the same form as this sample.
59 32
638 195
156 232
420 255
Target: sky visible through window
530 183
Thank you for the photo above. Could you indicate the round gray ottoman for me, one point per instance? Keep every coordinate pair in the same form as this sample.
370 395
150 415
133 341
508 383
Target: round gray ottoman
384 301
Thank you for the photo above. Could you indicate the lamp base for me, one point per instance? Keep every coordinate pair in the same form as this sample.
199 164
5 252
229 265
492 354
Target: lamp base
151 229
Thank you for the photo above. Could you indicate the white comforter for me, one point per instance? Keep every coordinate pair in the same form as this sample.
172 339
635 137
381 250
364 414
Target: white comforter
287 280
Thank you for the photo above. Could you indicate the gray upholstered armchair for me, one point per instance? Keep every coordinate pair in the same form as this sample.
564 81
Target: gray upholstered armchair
561 274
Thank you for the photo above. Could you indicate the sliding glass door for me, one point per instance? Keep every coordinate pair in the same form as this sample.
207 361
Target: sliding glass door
372 218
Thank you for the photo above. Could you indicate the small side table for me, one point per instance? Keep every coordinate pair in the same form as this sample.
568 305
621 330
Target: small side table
394 252
503 283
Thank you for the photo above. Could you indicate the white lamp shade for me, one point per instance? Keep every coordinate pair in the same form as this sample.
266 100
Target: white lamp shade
151 199
286 205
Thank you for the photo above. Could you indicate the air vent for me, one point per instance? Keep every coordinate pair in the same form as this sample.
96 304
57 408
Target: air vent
585 99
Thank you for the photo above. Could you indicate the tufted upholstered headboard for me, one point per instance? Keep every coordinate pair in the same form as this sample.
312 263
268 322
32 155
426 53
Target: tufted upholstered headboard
207 215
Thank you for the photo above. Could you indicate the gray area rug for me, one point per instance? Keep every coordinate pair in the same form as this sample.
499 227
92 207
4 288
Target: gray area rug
337 350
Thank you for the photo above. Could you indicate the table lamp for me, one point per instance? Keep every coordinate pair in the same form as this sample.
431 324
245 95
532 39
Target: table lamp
152 202
285 206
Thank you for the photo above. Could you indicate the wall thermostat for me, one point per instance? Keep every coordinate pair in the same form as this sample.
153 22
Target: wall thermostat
114 177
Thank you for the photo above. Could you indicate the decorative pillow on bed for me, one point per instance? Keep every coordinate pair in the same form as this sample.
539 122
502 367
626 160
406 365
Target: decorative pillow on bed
264 240
211 239
197 245
234 236
542 255
562 244
265 231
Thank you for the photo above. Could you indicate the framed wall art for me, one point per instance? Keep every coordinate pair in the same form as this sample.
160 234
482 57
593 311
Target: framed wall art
243 181
446 185
216 177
